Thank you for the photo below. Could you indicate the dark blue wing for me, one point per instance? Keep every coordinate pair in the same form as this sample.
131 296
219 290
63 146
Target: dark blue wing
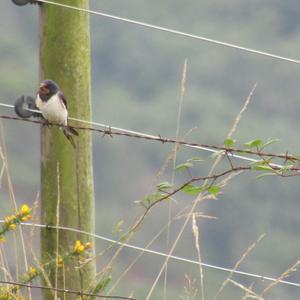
63 98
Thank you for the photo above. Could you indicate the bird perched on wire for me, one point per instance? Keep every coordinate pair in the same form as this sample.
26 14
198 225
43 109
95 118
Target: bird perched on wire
52 103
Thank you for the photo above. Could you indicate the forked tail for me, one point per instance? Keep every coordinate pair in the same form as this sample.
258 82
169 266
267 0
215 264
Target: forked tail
69 132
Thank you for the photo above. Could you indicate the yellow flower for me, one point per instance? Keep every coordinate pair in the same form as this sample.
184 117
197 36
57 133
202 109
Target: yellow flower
26 218
32 271
78 248
88 245
12 226
2 239
25 209
9 219
60 262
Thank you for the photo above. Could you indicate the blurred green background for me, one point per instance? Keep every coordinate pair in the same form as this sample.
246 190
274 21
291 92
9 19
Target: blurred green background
136 74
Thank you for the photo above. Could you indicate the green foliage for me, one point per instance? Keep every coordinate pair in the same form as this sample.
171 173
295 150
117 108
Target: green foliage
265 175
229 143
164 186
192 190
188 164
100 286
261 167
118 227
214 190
184 166
253 143
269 142
153 198
286 168
259 145
195 159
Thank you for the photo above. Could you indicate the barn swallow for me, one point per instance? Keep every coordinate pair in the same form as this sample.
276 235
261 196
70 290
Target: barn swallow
53 105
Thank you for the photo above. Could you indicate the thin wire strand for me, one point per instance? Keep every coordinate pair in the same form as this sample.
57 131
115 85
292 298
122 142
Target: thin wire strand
153 137
66 291
176 32
178 258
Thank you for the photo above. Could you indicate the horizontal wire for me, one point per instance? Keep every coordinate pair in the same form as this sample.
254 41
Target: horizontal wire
66 291
152 137
176 32
178 258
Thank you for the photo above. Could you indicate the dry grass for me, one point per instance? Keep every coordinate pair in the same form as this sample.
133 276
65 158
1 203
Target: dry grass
236 266
284 275
196 234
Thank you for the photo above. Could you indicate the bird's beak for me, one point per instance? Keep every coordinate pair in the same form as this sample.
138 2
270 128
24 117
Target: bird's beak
43 89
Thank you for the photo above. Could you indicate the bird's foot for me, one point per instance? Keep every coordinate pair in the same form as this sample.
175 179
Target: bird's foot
47 124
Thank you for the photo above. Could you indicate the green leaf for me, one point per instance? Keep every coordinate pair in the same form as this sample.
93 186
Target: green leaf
101 285
118 227
164 185
214 190
127 236
261 168
183 167
286 168
265 175
192 189
269 142
195 159
254 143
157 196
229 143
262 162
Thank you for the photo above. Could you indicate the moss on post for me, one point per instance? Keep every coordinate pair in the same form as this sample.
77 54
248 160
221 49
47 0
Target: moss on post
66 173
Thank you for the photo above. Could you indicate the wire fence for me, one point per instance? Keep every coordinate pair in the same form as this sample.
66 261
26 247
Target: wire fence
65 291
158 253
111 130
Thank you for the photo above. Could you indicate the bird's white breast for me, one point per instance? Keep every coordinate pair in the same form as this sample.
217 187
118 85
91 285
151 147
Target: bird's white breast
53 110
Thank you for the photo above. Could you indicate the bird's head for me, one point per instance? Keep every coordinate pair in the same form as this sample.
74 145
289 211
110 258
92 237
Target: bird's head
48 88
